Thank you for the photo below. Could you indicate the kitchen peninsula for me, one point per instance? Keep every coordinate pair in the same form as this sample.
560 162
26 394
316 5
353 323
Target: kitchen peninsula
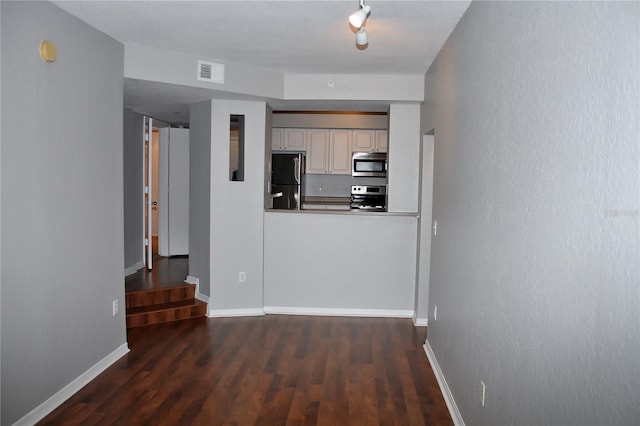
325 258
340 262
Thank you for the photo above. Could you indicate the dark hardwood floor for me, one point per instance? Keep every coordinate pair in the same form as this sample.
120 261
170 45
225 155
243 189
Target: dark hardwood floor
166 272
271 370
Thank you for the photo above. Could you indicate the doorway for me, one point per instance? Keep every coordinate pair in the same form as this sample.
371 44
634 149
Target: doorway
423 266
155 153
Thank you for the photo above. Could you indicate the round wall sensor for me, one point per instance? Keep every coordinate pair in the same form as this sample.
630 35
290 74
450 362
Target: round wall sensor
331 83
48 51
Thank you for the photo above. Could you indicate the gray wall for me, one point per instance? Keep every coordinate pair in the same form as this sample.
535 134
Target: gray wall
404 157
358 87
339 263
267 156
133 194
0 230
535 266
148 63
200 194
237 210
62 207
423 263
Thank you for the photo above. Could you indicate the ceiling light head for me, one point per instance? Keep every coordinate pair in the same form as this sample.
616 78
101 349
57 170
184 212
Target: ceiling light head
361 37
358 18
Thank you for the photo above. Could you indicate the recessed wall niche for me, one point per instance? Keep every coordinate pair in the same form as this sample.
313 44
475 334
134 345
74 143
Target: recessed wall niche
236 148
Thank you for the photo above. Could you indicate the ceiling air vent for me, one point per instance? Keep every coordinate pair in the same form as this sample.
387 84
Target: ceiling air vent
211 72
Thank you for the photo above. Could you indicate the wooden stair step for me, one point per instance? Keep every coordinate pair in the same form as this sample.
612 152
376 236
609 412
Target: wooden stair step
165 312
176 293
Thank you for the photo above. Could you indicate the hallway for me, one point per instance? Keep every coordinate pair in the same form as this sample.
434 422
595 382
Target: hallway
167 272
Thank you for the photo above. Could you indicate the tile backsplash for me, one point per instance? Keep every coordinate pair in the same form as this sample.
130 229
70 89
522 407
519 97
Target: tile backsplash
335 185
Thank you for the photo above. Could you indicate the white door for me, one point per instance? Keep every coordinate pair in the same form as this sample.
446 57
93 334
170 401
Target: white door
173 171
148 184
154 188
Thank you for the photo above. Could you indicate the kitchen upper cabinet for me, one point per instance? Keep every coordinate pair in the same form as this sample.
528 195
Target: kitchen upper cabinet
370 141
364 140
382 140
329 152
277 139
317 151
288 139
295 139
340 152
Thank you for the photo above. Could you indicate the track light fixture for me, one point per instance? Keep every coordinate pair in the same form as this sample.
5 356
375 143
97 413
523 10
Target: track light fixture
361 37
358 19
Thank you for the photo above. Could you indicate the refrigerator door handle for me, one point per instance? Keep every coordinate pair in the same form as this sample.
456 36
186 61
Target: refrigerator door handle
296 171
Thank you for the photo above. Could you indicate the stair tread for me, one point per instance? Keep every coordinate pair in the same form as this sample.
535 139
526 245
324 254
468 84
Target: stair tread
157 296
164 306
162 289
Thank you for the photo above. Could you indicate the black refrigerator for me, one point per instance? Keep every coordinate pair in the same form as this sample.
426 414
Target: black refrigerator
287 171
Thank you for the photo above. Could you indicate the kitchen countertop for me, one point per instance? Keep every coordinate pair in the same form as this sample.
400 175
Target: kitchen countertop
343 212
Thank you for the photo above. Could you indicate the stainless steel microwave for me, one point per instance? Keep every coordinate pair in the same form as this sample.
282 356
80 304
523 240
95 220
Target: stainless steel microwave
369 164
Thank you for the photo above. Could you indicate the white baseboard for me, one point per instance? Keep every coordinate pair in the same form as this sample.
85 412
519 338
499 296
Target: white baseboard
251 312
280 310
133 269
385 313
420 322
194 280
42 410
444 387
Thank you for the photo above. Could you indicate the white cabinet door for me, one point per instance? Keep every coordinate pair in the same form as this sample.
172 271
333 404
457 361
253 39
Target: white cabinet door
294 140
317 151
370 140
364 140
382 138
277 139
288 139
340 152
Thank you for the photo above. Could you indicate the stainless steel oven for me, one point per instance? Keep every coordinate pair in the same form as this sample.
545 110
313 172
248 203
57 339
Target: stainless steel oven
369 164
369 198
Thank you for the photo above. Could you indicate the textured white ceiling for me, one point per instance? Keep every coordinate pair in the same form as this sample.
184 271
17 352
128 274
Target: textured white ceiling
309 37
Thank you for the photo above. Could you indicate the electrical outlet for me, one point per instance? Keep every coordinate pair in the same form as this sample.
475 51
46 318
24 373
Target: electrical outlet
435 312
482 390
115 307
242 277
